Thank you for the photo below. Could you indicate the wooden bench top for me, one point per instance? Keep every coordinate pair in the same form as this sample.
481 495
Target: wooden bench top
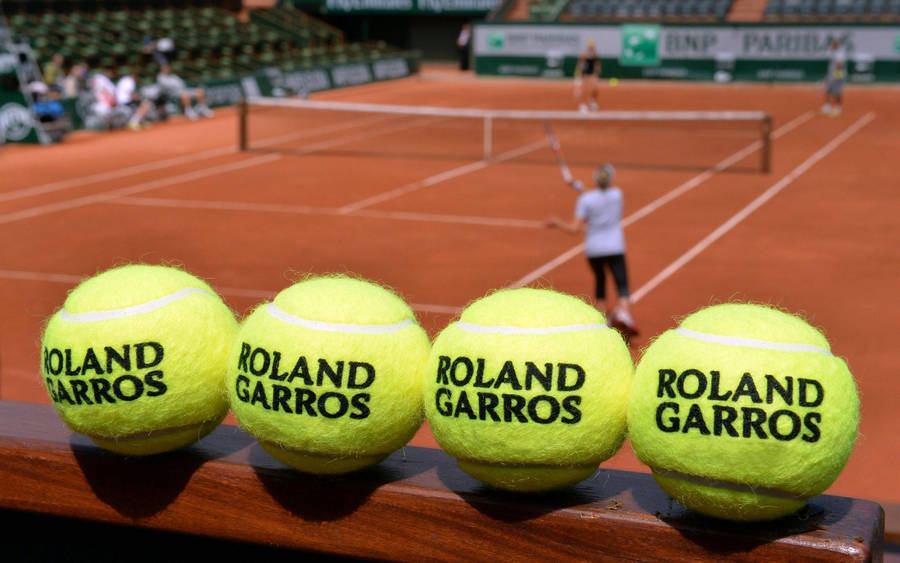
415 505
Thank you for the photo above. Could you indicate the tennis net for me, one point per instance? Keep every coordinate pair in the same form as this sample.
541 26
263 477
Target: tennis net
650 139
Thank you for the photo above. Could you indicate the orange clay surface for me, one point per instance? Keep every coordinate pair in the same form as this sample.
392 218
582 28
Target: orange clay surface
827 246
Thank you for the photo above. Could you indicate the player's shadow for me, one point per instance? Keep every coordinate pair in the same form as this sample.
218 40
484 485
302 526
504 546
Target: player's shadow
509 506
138 487
320 497
723 538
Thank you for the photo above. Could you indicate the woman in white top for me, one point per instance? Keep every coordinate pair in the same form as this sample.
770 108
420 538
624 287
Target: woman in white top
599 211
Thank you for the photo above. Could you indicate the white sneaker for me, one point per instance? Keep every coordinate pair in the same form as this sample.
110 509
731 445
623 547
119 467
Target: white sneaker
582 108
623 321
204 110
593 105
190 114
826 109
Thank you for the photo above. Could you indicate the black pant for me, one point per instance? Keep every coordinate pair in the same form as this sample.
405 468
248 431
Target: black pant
463 57
616 265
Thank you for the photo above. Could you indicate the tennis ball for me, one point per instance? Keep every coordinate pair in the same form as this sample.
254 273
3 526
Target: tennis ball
743 412
328 376
136 359
528 390
613 82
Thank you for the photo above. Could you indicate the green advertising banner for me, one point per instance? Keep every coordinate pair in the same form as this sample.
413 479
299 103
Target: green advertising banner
276 82
408 6
689 52
16 119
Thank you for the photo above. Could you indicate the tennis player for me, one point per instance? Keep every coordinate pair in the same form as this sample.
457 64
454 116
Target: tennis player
599 211
834 80
587 69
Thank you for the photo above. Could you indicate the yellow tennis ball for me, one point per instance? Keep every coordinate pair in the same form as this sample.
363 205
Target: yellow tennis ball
743 412
328 376
136 359
528 390
613 82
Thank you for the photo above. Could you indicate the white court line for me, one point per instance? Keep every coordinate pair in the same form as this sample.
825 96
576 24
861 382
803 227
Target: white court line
760 200
663 199
261 294
101 197
349 124
455 219
441 177
309 210
170 162
39 210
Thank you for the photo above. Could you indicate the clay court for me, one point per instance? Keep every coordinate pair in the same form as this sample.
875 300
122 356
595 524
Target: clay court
411 204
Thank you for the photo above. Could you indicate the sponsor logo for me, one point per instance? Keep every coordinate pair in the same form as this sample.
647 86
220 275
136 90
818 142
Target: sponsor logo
350 75
390 68
224 94
251 87
15 122
438 6
812 43
369 5
307 81
496 39
7 63
640 45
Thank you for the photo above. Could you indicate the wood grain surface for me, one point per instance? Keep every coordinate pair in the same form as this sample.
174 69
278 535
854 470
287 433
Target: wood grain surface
415 505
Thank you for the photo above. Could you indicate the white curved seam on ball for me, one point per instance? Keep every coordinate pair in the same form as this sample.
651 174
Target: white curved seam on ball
469 327
727 485
750 342
93 316
279 314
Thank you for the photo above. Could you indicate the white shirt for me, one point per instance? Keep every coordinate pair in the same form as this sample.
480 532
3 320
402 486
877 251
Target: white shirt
125 90
171 84
463 40
837 59
602 210
104 90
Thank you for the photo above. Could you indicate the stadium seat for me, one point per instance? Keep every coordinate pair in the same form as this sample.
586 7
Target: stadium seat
211 43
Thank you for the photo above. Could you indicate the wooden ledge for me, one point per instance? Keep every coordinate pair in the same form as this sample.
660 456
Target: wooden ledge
415 505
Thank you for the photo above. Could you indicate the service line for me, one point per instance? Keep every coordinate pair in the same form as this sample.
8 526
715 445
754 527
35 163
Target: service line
257 294
105 196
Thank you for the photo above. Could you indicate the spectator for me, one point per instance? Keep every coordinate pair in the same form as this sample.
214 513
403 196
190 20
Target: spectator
75 81
172 87
128 97
462 46
53 73
104 92
161 49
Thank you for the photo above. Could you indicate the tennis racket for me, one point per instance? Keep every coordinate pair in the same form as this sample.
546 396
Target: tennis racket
576 185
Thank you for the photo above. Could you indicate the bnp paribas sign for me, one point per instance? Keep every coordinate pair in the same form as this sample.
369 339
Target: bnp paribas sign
773 42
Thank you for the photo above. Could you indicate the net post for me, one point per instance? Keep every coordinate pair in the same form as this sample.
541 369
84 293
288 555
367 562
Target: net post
242 124
765 154
488 136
